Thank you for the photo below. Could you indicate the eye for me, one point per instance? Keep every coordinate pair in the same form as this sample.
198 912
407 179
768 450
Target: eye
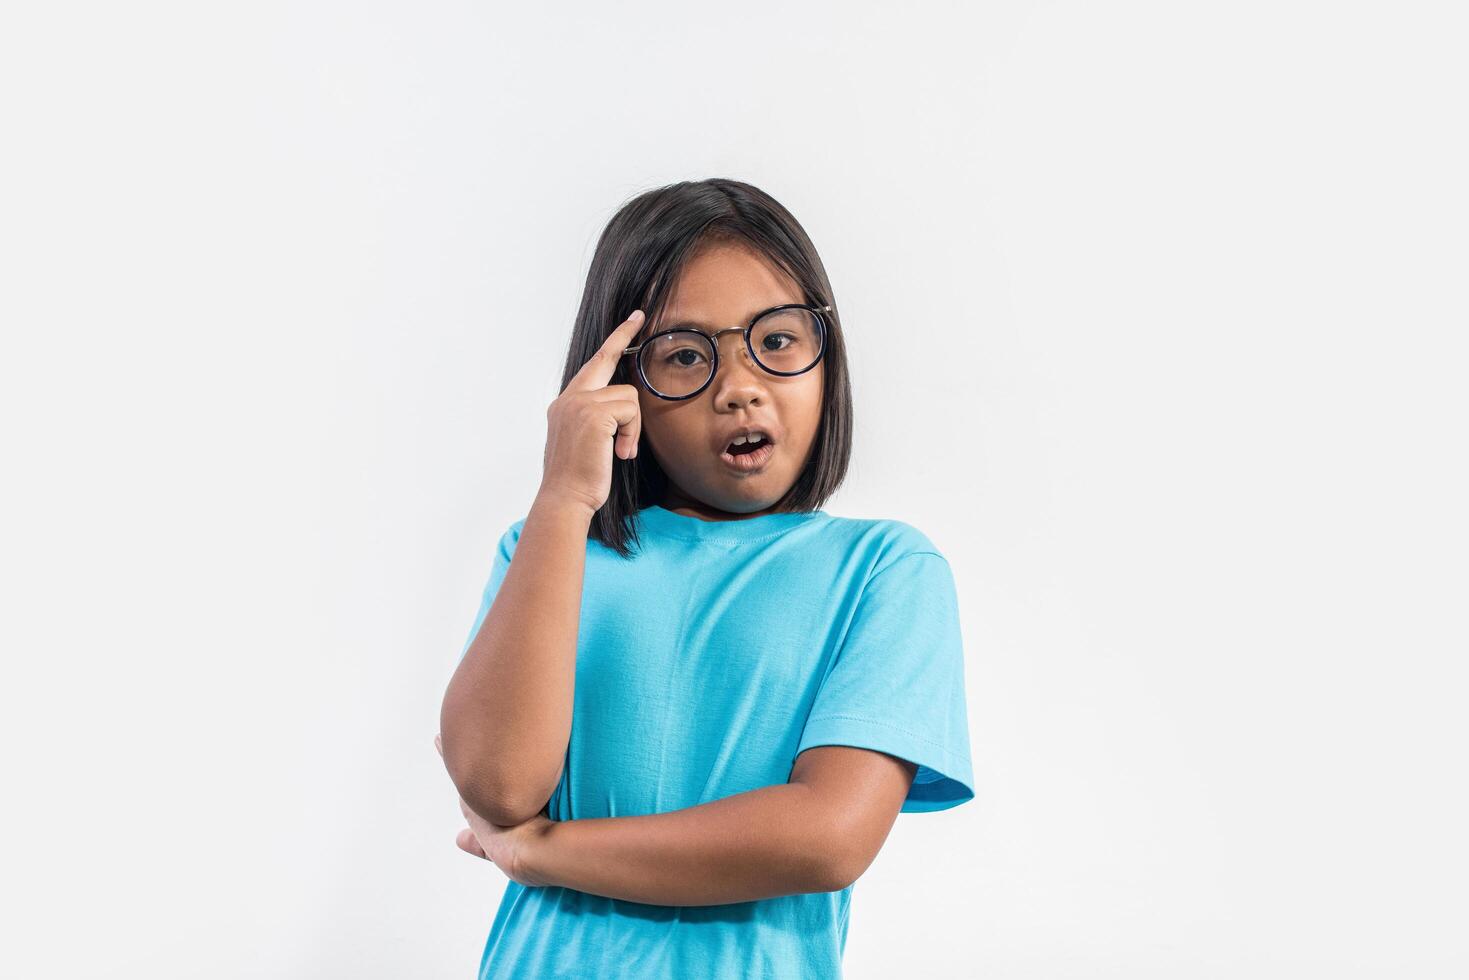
684 357
766 345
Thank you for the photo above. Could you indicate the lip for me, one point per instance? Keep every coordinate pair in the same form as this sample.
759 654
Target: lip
723 440
748 462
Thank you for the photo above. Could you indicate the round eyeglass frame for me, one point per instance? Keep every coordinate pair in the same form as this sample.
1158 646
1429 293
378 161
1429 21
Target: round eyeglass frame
713 339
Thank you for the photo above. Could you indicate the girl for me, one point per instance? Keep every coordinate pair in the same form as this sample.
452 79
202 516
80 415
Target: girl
692 703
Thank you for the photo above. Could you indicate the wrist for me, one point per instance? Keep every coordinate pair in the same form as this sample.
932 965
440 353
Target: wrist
563 506
533 865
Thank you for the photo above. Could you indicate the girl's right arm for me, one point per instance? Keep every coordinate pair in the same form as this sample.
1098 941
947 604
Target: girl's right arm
506 717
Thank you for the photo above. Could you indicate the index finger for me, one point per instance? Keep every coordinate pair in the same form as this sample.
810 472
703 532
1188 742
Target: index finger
597 371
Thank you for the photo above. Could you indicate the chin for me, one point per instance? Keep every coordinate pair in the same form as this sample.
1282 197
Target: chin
748 504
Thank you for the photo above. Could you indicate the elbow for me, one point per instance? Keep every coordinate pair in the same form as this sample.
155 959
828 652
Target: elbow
839 860
499 807
840 870
485 787
503 814
488 795
845 847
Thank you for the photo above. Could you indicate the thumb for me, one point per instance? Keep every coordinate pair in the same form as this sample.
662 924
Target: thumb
468 842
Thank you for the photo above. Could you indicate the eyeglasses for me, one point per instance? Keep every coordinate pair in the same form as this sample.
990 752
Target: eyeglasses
784 340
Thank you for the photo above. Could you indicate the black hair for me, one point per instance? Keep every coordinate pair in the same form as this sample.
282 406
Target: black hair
638 259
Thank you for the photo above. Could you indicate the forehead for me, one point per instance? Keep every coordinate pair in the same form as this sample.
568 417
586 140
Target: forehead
725 285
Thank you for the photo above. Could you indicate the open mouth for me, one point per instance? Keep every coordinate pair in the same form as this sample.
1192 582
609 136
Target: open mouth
748 453
748 446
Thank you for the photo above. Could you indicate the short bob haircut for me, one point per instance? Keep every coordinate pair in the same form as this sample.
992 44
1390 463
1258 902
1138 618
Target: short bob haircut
638 259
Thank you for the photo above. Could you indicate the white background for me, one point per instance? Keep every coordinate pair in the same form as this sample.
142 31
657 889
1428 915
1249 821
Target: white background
1156 315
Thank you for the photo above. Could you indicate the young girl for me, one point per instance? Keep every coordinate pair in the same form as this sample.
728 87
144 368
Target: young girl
692 703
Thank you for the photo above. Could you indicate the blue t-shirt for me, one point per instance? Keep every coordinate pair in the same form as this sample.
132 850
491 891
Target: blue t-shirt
705 664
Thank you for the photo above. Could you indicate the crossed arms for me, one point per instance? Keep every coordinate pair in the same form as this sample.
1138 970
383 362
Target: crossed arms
819 832
506 721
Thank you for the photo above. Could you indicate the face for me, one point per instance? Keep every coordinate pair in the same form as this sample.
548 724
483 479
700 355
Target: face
725 285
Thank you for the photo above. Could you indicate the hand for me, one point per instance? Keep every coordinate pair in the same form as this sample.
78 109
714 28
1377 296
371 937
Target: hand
506 846
577 465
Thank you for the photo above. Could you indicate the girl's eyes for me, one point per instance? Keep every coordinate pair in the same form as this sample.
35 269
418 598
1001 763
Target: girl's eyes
697 357
680 358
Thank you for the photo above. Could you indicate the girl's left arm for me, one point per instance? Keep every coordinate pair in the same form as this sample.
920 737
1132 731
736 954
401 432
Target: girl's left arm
817 833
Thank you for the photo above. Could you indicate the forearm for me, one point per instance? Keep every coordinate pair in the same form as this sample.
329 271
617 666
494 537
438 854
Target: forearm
506 716
758 844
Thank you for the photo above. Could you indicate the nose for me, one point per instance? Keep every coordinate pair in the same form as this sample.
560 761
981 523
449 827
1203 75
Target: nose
739 381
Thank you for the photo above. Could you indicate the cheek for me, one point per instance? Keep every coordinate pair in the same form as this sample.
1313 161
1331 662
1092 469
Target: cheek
810 407
664 431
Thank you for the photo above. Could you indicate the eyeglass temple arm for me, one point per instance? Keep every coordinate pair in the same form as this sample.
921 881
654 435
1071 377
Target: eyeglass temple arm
631 350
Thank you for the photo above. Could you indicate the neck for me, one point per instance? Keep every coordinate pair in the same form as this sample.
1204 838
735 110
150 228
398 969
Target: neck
680 503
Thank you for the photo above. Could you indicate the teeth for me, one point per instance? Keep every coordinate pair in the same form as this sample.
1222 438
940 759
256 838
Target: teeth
741 440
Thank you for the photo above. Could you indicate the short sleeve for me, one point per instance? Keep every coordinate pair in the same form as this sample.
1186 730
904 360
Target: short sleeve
896 684
499 565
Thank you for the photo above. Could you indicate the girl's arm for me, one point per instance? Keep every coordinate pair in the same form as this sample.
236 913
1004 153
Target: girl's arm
506 717
817 833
